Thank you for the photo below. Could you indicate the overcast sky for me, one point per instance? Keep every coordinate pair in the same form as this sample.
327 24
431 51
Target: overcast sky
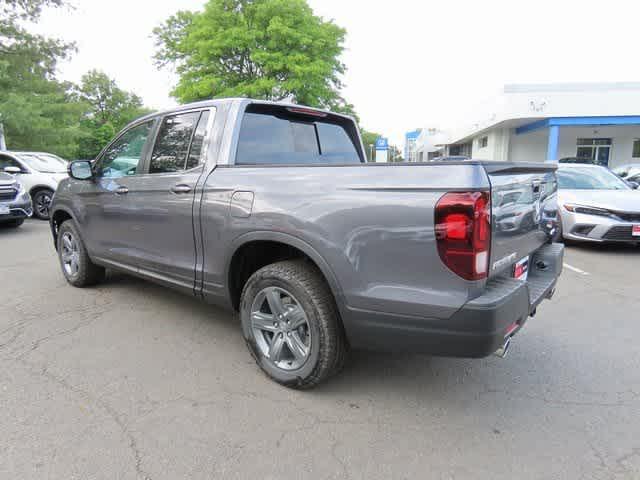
411 63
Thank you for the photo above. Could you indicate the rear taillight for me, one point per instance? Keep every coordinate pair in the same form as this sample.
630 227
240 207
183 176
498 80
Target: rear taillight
463 233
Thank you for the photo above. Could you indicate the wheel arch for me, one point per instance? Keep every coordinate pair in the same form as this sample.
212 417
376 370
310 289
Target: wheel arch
58 217
36 188
272 241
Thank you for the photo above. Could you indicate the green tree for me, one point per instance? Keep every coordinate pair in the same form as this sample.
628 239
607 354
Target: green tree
369 141
37 111
395 155
266 49
107 110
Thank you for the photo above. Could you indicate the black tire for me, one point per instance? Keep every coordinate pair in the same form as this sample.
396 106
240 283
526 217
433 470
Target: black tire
14 223
87 273
327 342
41 203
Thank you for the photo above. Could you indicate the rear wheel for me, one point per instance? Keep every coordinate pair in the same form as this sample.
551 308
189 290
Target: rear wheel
42 203
77 267
291 326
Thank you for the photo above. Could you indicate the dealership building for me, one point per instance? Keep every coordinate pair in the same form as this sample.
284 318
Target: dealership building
597 121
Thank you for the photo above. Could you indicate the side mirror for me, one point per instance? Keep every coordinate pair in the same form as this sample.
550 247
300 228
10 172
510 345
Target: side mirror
12 170
80 170
623 174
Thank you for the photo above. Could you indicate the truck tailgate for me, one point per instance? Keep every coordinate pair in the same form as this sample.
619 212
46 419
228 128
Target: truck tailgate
523 211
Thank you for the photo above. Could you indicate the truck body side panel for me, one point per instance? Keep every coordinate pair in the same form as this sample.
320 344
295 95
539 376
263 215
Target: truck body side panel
372 224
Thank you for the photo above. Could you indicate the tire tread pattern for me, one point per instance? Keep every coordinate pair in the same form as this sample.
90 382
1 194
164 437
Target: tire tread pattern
333 345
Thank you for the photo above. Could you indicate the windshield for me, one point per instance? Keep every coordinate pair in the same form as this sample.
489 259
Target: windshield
44 162
589 179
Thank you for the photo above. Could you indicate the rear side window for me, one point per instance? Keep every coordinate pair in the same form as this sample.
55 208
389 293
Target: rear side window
195 153
172 144
272 138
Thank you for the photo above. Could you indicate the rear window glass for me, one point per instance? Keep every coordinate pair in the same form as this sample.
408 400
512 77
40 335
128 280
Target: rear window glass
267 139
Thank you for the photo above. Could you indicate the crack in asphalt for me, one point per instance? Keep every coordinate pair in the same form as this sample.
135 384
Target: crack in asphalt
102 405
560 402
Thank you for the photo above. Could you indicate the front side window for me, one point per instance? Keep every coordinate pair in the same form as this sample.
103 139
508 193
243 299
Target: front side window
268 138
7 161
172 145
636 149
122 158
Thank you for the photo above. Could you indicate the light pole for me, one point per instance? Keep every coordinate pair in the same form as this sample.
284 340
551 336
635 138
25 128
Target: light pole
3 144
371 151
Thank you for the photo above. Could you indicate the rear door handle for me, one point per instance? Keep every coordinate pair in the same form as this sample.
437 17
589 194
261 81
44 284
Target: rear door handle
121 190
181 188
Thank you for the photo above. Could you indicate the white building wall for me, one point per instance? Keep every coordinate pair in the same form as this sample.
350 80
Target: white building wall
533 146
498 145
523 104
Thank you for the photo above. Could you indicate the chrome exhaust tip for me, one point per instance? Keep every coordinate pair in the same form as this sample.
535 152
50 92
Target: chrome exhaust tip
504 349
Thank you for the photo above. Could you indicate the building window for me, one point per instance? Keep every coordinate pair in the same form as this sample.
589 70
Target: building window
483 142
595 150
636 149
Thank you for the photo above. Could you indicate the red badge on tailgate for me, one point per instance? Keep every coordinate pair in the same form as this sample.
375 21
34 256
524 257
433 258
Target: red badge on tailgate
521 268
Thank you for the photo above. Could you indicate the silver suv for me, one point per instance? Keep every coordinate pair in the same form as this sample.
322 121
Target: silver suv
15 202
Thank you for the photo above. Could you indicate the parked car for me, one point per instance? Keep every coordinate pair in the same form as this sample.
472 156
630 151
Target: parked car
15 202
452 158
271 209
597 206
40 174
630 172
580 160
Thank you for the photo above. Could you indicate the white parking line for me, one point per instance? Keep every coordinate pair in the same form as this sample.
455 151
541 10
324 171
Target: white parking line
574 269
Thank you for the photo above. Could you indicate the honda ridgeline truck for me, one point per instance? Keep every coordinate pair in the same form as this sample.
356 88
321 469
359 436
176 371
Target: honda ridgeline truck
271 210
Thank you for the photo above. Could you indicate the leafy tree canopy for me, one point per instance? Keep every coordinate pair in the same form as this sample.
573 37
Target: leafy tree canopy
368 139
107 110
37 111
267 49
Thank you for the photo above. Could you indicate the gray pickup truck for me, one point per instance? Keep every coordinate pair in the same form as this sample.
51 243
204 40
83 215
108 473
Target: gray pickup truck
271 210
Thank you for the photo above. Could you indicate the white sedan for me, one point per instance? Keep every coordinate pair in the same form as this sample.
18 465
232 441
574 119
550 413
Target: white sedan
597 206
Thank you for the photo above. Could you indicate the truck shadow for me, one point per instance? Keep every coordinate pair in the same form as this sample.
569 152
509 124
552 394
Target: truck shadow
539 371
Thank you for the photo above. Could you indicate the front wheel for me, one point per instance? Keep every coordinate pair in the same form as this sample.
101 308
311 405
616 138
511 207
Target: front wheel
291 325
77 267
42 203
14 223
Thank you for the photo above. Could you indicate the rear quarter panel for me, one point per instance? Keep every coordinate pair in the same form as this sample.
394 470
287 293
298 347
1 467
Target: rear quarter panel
372 224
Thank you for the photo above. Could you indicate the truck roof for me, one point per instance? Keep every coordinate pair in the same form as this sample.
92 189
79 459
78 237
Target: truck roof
240 102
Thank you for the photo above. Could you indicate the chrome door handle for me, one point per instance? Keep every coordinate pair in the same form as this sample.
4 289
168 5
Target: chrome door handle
121 190
181 188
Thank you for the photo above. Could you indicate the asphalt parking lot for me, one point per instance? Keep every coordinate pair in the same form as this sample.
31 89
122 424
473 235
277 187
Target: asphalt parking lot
133 381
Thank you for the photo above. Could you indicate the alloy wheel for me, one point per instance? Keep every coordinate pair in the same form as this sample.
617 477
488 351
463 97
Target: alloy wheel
281 328
42 204
70 254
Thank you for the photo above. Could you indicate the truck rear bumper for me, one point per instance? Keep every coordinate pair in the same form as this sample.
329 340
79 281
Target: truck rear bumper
478 329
